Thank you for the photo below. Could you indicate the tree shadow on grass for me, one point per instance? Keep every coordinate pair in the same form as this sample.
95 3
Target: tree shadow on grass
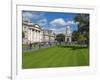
74 47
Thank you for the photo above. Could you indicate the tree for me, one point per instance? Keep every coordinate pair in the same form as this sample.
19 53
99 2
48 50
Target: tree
83 26
75 35
82 39
60 38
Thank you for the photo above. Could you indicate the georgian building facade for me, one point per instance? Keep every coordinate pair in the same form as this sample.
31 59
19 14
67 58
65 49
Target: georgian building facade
33 33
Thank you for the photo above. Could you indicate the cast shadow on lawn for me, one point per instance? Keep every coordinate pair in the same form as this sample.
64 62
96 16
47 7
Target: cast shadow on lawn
74 47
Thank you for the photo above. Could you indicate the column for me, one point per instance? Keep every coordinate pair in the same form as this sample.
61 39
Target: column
39 36
29 35
36 36
65 38
33 36
70 39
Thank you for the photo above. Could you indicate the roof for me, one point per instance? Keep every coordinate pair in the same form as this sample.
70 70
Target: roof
30 24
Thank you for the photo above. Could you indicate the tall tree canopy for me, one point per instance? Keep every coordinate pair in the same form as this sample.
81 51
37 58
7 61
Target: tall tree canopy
60 38
83 26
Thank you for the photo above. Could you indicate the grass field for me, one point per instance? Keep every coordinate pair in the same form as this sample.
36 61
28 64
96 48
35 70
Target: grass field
58 56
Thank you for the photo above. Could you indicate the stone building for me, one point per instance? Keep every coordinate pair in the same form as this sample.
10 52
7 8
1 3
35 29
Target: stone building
48 36
33 33
68 35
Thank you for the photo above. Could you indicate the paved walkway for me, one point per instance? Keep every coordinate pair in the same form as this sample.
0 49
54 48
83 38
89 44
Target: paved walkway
36 47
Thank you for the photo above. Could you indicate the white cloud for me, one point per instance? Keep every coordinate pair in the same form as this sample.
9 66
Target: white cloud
42 22
59 25
58 30
70 22
58 22
61 22
29 15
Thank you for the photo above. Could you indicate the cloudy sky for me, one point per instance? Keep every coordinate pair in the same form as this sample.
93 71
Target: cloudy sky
55 21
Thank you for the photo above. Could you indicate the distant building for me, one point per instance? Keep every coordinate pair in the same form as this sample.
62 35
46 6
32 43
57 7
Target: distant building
68 35
48 36
35 34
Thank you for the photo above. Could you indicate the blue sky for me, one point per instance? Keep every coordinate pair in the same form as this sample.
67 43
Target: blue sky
56 21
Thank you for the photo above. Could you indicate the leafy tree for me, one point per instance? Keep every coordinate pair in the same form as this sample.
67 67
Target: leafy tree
83 26
82 39
75 35
60 38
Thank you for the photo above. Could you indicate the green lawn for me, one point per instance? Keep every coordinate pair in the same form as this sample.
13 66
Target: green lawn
58 56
